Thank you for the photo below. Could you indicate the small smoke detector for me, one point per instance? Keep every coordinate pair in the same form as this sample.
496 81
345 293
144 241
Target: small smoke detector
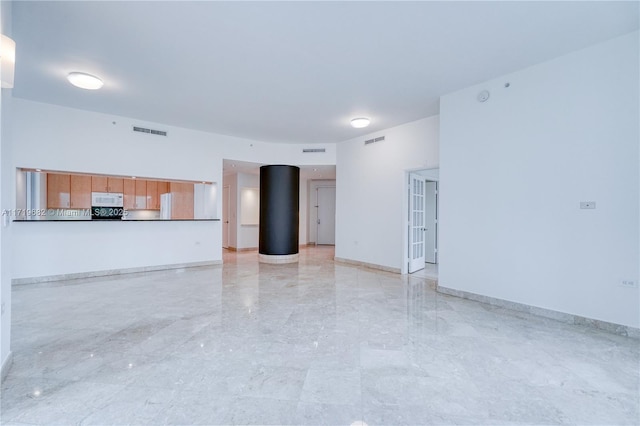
483 96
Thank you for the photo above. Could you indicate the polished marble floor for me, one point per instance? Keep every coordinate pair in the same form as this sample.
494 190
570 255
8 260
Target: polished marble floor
313 343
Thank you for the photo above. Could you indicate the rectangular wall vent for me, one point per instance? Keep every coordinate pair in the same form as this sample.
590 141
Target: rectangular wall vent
150 131
370 141
306 150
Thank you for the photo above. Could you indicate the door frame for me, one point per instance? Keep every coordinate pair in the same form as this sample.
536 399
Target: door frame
226 207
435 243
404 228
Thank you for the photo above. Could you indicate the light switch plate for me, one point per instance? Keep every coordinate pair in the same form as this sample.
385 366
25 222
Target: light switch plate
587 204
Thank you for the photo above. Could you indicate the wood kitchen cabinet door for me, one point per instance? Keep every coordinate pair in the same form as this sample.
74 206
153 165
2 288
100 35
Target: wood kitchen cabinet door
129 191
163 188
115 185
141 194
80 189
99 184
181 200
58 190
153 199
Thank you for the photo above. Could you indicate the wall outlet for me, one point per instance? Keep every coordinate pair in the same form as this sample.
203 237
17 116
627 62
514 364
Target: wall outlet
629 283
587 204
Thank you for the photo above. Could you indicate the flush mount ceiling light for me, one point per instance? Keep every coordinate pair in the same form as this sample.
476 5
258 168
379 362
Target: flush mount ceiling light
360 122
7 61
84 80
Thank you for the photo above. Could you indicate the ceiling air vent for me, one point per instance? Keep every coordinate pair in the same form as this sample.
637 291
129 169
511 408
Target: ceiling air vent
370 141
150 131
306 150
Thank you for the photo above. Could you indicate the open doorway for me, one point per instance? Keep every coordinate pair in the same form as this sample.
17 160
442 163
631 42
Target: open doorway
422 223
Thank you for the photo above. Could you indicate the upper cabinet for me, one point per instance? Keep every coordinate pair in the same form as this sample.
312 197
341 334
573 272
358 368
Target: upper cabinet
66 191
58 190
135 194
115 185
129 191
141 194
155 189
71 191
106 184
99 184
80 192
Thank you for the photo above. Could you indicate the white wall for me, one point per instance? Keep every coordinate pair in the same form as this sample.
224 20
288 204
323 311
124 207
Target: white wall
51 137
370 194
7 191
44 248
514 170
303 211
205 201
247 235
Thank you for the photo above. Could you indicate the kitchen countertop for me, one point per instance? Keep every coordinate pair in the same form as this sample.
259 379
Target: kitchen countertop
120 220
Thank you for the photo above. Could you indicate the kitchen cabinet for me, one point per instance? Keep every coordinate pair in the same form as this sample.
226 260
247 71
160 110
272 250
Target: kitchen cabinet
141 194
181 200
106 184
153 201
155 189
66 191
99 184
129 191
115 185
163 188
58 190
80 192
135 194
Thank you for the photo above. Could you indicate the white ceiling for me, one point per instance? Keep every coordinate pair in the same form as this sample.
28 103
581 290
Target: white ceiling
290 71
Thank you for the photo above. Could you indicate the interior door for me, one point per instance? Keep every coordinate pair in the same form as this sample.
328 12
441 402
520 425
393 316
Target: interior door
226 204
431 221
416 222
326 202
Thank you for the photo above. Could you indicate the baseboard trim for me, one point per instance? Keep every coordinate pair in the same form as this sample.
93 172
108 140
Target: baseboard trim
366 265
621 330
242 249
93 274
6 366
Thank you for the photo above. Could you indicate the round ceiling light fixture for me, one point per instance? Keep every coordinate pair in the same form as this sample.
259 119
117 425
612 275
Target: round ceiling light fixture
84 80
359 123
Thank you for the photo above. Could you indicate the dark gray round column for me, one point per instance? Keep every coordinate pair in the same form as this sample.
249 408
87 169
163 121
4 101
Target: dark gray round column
279 213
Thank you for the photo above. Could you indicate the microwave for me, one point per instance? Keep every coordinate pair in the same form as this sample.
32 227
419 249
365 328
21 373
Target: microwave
107 199
107 206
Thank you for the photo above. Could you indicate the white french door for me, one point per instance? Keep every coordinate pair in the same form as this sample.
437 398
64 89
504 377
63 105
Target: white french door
431 221
416 222
226 200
